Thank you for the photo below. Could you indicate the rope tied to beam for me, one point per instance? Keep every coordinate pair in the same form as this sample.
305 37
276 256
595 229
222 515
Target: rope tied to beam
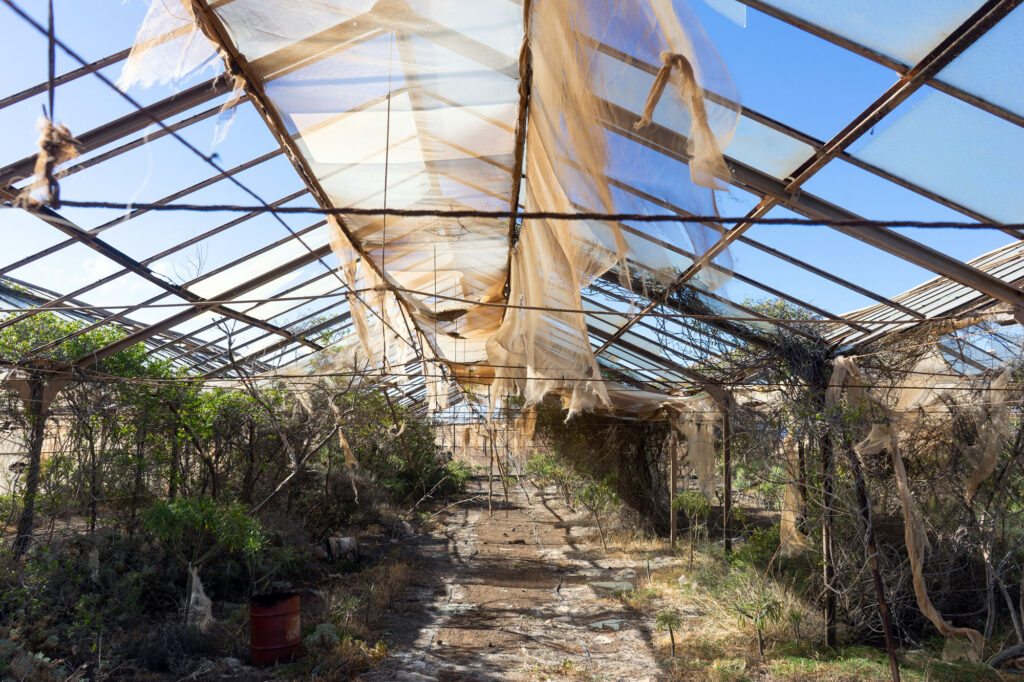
706 161
56 146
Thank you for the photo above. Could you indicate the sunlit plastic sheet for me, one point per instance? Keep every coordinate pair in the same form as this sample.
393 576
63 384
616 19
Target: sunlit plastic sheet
991 67
414 105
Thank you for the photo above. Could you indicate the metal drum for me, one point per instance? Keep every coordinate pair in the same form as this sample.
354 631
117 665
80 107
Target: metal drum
274 631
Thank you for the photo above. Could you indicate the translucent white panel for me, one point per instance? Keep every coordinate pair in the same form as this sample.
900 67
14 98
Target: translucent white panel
905 31
766 149
992 67
319 287
259 344
955 150
247 21
496 24
127 289
731 9
197 323
361 136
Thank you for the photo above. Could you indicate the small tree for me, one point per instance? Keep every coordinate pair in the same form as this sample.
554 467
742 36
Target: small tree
695 506
196 530
345 608
760 611
599 498
669 620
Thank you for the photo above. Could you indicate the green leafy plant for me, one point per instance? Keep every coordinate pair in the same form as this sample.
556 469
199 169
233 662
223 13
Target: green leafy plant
344 609
696 508
547 470
759 611
795 617
669 620
196 530
599 498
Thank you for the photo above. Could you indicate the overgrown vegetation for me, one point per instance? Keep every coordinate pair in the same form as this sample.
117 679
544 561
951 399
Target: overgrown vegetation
147 488
795 456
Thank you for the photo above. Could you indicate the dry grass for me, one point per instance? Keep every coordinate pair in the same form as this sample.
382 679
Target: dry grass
568 669
715 643
354 603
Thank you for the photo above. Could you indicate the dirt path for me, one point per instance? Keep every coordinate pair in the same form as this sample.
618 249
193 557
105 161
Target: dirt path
517 595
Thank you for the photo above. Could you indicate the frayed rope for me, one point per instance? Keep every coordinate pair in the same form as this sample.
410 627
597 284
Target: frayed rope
56 146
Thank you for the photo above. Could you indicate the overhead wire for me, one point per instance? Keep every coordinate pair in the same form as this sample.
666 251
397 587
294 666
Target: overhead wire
482 214
264 207
513 306
551 215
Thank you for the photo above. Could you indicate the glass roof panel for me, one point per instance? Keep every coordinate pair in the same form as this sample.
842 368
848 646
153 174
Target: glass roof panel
905 31
991 68
955 150
242 16
792 76
874 197
254 266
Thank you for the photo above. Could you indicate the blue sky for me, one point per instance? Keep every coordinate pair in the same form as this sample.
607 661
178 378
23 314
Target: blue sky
779 70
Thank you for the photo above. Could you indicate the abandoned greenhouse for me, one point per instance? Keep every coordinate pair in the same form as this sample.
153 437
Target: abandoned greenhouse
512 340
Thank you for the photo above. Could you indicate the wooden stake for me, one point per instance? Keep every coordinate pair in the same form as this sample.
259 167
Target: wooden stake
490 476
872 552
674 473
503 473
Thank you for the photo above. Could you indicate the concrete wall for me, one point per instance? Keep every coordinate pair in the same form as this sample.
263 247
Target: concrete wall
472 452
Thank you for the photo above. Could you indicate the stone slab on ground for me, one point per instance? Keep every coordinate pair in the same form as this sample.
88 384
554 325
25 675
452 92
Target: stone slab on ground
517 593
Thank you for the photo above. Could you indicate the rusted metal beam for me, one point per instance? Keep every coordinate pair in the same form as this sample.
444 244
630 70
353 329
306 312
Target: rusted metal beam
127 124
879 58
745 239
931 64
275 123
201 306
95 243
665 141
64 78
803 137
285 292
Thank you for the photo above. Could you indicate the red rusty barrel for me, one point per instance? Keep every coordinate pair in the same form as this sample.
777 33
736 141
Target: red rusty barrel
274 631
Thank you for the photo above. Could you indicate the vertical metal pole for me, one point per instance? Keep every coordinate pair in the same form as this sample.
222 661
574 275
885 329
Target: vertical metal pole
827 517
490 476
727 475
673 475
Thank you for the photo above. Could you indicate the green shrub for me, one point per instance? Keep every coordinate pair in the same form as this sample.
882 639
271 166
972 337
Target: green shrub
196 530
599 498
760 546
